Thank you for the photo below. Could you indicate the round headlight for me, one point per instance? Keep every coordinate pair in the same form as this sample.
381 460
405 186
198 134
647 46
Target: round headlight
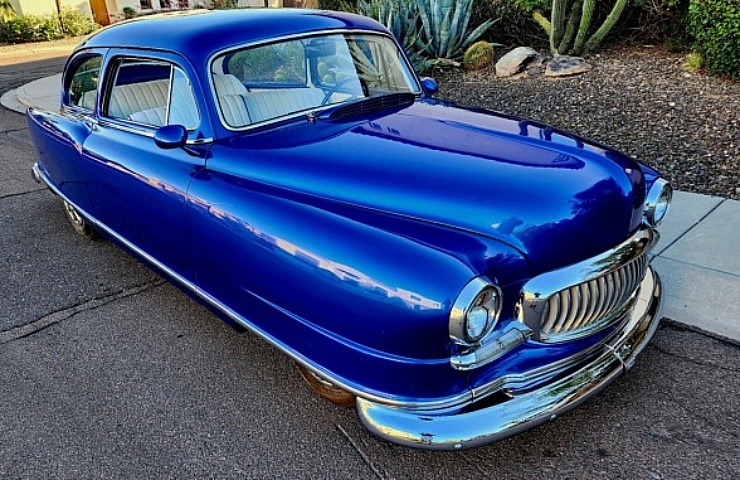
658 201
475 312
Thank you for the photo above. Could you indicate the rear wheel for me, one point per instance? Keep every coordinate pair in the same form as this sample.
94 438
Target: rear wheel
81 226
325 388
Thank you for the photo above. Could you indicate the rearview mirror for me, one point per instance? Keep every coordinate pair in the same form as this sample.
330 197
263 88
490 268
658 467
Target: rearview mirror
320 48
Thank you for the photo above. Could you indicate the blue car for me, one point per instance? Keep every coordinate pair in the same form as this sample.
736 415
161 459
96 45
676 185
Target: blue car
457 275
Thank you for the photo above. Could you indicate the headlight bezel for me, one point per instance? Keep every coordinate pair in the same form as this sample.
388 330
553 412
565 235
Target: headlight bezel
658 202
479 292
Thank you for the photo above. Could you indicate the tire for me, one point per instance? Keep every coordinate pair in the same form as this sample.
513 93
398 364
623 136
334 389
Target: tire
325 389
78 222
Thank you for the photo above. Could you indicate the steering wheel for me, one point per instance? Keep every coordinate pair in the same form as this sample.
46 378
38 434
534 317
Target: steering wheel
335 89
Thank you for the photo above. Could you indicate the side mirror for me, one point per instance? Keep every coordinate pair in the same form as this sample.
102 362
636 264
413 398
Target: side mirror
171 136
429 85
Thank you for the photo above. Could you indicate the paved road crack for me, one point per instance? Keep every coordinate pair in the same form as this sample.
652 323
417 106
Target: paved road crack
67 313
20 194
363 455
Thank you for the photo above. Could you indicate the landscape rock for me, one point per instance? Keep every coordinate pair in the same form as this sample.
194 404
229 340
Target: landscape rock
515 61
565 66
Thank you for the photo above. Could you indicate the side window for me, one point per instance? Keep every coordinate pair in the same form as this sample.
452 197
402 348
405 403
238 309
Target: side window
152 93
84 84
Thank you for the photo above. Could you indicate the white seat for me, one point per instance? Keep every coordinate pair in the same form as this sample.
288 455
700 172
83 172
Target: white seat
228 84
152 116
135 97
234 110
267 104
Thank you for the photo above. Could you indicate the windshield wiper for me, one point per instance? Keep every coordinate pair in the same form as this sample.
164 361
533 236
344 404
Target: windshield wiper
363 106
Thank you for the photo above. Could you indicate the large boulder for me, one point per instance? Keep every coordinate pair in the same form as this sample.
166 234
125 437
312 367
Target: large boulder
564 66
515 61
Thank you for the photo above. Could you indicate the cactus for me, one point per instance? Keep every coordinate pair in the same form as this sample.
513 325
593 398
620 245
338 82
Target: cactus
557 20
610 21
570 28
565 15
586 16
478 55
542 21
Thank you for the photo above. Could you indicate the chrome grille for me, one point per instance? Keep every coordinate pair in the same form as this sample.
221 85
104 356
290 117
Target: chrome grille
591 304
585 297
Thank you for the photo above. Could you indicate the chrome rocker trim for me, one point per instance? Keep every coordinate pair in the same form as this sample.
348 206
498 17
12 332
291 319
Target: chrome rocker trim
453 431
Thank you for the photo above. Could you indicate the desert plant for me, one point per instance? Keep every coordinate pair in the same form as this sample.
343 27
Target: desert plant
478 55
715 25
402 18
445 30
570 25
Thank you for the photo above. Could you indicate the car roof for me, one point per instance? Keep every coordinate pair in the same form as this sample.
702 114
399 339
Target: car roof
198 34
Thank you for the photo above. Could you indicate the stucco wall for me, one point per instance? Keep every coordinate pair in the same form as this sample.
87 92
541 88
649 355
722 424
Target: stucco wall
45 7
156 5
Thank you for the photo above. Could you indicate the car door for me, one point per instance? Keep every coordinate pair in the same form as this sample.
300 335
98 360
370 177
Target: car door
59 136
138 189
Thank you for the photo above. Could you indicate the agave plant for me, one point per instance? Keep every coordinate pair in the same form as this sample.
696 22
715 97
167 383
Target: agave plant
401 17
429 30
444 31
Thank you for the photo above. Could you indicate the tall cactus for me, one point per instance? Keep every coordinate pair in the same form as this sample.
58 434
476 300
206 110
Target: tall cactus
610 21
565 15
557 21
586 15
570 27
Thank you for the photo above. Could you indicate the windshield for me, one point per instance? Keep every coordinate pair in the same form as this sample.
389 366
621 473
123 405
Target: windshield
266 82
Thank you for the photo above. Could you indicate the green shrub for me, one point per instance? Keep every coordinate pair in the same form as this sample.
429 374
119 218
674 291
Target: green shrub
30 28
76 23
715 25
36 28
6 11
693 63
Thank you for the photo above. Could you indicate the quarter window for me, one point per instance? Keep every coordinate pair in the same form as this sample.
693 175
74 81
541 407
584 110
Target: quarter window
83 87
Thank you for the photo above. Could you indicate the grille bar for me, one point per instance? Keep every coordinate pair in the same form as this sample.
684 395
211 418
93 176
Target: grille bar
582 298
592 302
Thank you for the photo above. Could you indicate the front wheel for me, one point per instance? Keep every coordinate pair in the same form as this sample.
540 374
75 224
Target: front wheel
326 389
81 226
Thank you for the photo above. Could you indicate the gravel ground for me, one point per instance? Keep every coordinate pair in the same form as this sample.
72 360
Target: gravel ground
638 100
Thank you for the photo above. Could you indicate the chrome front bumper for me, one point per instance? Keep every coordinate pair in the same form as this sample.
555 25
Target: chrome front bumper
453 431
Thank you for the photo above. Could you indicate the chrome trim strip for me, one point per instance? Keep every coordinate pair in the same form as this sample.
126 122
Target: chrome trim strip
492 348
455 431
144 130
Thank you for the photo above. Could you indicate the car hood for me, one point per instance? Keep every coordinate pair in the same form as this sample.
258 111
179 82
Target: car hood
553 196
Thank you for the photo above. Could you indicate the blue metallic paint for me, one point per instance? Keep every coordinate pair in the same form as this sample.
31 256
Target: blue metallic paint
345 242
